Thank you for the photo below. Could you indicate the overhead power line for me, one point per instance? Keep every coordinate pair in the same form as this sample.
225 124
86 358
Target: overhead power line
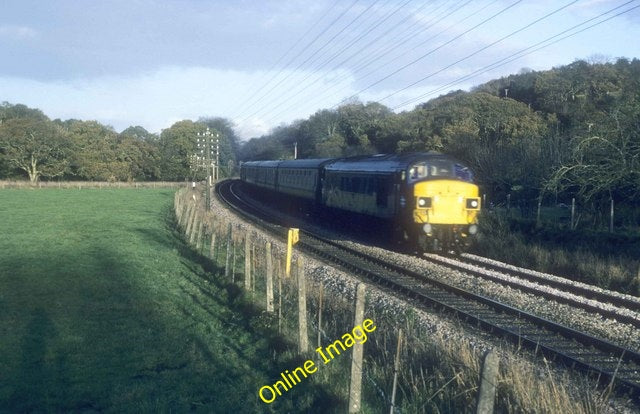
413 62
304 49
394 47
312 55
275 65
318 71
482 49
529 50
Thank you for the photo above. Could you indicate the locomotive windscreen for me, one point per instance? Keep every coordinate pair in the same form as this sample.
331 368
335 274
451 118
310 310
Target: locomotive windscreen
439 169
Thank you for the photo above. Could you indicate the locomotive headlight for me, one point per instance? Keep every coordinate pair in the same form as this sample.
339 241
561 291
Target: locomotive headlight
424 202
427 228
473 229
472 203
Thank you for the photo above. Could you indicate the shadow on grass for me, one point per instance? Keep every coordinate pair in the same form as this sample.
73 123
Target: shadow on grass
244 314
89 330
37 375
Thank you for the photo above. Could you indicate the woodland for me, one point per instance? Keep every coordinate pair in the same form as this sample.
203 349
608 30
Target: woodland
571 132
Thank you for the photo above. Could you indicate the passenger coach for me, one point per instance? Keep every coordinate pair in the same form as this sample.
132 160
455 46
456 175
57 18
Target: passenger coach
430 199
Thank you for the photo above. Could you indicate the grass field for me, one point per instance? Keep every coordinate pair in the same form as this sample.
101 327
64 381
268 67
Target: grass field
103 308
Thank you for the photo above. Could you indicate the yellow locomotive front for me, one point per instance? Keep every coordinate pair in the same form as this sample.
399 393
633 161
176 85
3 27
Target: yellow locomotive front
445 204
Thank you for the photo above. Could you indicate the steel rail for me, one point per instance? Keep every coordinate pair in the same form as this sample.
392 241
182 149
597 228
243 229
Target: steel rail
557 283
598 357
577 303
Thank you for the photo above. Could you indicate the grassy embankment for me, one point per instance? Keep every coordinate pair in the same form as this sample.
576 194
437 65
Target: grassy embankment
103 308
439 369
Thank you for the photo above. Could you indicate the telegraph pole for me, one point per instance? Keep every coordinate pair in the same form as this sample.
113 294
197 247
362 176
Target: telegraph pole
204 159
216 173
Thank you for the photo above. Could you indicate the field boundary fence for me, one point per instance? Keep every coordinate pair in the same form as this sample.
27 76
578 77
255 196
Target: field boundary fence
572 214
406 366
5 184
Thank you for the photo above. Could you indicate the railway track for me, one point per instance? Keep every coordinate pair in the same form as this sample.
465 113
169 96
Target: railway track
621 308
608 362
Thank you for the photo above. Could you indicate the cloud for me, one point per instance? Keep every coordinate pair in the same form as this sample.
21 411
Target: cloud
154 99
17 32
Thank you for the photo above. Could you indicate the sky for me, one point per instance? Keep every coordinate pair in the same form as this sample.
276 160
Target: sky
266 63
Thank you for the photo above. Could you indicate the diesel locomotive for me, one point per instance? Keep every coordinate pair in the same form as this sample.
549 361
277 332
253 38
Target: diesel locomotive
429 199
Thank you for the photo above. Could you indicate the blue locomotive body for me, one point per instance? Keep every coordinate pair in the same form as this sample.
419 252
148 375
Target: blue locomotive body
429 197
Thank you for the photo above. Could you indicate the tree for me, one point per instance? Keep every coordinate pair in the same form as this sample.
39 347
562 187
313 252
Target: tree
35 146
228 142
177 145
9 111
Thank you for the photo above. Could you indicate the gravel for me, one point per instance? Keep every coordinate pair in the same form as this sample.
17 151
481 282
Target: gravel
344 284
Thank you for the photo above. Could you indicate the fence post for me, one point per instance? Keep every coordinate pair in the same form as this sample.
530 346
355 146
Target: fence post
355 390
247 261
194 227
487 393
303 342
279 295
227 265
190 219
199 235
269 277
185 214
573 212
396 366
611 217
292 238
320 294
212 246
254 264
233 262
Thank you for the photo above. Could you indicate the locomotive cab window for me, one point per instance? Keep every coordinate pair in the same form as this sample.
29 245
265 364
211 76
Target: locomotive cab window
435 169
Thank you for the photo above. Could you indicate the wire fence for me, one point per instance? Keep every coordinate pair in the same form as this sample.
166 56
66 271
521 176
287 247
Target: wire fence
433 370
89 184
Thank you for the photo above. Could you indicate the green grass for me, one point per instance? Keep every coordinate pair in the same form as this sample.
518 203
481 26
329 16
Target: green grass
104 308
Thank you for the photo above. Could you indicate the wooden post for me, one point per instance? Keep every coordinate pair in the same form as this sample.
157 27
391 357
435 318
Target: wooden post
320 294
611 217
254 263
538 212
190 210
396 367
191 219
186 208
233 263
227 264
355 390
487 392
247 262
303 342
212 246
573 212
269 278
185 214
199 235
292 238
194 226
279 296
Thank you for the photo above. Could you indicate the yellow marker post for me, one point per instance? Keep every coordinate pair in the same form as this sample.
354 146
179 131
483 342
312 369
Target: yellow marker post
292 238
